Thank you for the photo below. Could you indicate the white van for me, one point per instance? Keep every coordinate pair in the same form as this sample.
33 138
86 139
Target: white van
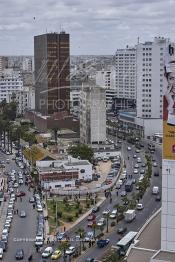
155 190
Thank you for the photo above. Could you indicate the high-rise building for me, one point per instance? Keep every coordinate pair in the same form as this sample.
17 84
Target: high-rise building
92 114
125 63
52 70
150 78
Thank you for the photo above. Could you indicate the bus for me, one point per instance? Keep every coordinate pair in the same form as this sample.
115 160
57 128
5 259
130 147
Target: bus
123 245
129 186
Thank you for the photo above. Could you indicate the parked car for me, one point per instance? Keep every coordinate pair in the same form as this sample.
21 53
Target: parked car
121 230
56 255
91 217
20 193
140 206
95 209
123 193
70 251
102 243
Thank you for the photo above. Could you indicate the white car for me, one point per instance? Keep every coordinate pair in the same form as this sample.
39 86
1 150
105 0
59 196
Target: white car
155 164
135 171
39 208
15 185
70 251
140 206
9 214
10 206
136 166
20 181
129 148
139 160
8 219
47 252
101 222
1 252
106 212
39 241
113 214
7 224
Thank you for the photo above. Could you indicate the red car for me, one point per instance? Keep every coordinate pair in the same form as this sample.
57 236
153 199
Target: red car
21 193
91 217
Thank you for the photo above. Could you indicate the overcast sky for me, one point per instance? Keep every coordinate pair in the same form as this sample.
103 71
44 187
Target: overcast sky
95 26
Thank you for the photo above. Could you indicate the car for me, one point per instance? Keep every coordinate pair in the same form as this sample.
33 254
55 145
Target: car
10 206
102 242
121 230
60 235
1 252
22 213
7 224
56 254
123 193
142 171
139 160
136 166
15 185
20 181
31 200
47 252
140 206
89 259
137 151
133 180
158 198
19 254
95 209
89 236
7 161
70 251
134 156
91 217
106 212
129 148
135 171
101 222
39 240
20 194
143 165
39 208
113 214
156 173
154 164
3 245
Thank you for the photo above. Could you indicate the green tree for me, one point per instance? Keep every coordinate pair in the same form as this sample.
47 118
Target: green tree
63 246
81 232
83 151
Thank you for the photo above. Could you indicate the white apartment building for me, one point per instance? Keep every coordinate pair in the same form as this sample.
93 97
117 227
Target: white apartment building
92 114
106 78
25 99
150 78
125 79
27 64
75 101
110 95
10 83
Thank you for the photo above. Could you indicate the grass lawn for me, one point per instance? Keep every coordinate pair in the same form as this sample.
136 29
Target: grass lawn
67 211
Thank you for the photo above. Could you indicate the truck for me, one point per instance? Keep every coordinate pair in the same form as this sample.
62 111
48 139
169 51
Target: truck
102 242
129 215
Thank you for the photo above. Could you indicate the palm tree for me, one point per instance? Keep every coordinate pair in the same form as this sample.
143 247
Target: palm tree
81 233
63 246
55 130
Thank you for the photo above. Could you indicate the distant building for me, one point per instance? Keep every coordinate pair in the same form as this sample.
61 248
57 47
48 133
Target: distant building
92 114
25 99
106 78
10 83
27 64
3 63
52 70
125 65
75 101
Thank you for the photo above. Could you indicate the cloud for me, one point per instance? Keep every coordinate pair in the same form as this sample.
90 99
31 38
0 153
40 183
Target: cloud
95 26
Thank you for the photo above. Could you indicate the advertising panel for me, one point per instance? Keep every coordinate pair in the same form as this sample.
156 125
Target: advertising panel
169 105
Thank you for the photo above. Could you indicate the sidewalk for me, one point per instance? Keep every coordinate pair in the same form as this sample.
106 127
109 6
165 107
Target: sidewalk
3 213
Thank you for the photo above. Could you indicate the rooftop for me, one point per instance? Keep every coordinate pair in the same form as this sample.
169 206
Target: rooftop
165 256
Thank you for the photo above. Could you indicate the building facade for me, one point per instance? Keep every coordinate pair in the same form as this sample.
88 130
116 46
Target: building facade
150 78
52 70
3 63
10 83
125 79
92 114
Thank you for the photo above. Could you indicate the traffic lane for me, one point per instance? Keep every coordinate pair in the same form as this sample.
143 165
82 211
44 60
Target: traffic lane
23 230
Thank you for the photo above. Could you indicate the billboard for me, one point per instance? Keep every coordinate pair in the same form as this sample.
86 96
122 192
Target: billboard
169 105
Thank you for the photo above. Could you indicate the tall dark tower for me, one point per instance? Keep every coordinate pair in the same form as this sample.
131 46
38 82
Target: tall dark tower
52 70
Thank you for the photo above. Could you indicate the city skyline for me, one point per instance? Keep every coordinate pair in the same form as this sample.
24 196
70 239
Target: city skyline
95 27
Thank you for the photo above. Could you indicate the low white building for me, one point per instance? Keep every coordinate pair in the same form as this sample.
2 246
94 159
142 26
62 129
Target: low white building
106 153
64 173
